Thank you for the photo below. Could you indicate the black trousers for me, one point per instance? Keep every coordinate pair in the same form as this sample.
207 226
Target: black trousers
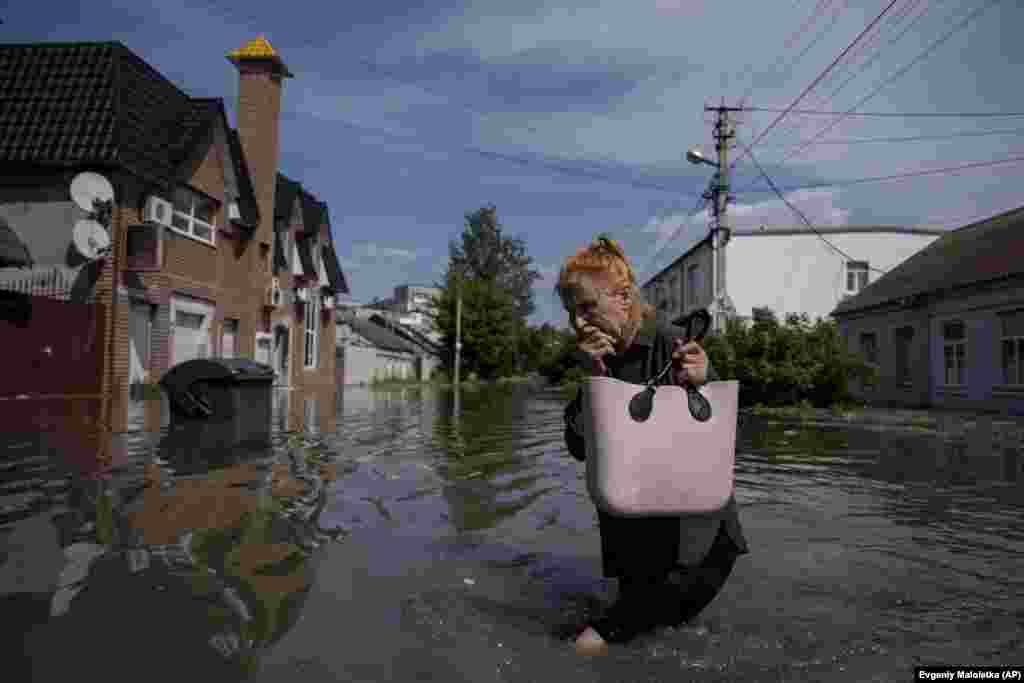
648 601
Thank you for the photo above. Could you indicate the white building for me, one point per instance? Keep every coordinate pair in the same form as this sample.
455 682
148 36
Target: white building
787 270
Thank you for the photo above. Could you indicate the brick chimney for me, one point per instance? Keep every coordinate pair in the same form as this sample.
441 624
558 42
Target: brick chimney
260 74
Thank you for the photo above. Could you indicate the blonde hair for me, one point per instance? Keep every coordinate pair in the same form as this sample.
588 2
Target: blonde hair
603 257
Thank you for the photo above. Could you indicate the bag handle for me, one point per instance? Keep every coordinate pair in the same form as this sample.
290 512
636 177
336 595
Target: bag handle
696 325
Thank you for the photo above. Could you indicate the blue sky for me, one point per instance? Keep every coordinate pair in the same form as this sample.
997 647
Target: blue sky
574 118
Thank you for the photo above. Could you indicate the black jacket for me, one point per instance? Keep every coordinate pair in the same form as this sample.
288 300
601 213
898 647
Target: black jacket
642 545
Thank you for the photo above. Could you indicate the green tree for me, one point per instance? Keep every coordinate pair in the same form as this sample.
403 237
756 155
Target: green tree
496 279
490 327
486 253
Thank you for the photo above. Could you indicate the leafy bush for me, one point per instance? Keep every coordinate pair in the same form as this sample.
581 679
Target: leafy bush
786 364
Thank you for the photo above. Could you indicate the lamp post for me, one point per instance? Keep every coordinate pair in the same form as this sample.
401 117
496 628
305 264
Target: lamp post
458 327
718 193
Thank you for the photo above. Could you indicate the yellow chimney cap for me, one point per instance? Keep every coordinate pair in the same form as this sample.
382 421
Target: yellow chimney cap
258 49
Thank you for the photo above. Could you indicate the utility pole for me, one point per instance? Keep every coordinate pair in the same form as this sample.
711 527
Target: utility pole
458 328
718 194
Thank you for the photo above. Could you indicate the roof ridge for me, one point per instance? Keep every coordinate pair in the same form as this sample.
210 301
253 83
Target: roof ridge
68 43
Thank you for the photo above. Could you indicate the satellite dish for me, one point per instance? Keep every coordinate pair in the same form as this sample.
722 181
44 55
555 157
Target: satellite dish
88 187
91 240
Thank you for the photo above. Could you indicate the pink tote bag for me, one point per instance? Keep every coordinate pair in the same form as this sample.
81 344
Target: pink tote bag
670 464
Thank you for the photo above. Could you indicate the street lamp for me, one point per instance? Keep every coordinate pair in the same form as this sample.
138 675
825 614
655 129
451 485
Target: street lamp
695 156
718 193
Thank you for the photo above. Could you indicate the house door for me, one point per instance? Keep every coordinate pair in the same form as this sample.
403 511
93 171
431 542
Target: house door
264 349
140 335
281 353
229 338
190 330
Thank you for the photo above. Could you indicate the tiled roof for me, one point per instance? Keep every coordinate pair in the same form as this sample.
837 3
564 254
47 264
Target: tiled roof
333 268
284 197
99 104
302 245
988 250
257 48
60 103
312 212
247 204
195 121
380 336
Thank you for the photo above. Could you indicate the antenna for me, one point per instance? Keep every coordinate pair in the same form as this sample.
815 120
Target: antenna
95 195
90 239
88 188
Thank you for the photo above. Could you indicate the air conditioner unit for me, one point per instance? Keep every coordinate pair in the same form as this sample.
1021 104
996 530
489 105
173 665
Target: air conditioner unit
302 294
234 213
158 211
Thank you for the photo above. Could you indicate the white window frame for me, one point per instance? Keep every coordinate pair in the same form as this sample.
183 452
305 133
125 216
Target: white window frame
321 268
858 270
190 216
1016 342
950 348
311 330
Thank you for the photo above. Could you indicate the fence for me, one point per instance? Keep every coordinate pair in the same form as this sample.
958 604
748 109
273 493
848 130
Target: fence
49 282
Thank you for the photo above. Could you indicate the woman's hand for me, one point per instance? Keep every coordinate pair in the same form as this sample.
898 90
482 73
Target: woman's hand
691 363
596 345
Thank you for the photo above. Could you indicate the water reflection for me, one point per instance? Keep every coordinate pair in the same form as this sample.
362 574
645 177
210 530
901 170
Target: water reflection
191 547
309 411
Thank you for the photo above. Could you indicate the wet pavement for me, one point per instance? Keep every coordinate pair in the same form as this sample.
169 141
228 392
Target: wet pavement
400 535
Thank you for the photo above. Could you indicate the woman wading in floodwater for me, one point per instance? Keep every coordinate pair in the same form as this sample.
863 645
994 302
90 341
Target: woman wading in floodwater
669 568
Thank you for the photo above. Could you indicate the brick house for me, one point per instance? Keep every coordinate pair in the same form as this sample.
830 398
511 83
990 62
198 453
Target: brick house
300 342
197 282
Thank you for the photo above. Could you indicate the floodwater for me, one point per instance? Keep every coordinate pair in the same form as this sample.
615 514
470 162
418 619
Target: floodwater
402 535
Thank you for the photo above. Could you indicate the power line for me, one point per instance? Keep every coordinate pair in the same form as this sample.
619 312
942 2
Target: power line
820 76
923 55
926 9
797 211
893 19
897 176
701 204
909 138
789 42
948 115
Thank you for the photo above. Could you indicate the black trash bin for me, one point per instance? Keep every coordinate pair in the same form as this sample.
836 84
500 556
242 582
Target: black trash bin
232 392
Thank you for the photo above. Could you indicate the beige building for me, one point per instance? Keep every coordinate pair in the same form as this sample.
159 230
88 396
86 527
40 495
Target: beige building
945 328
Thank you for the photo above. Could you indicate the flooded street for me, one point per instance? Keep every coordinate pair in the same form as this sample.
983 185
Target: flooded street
394 536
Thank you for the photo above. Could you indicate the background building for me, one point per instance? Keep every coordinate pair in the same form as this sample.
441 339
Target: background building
785 269
945 327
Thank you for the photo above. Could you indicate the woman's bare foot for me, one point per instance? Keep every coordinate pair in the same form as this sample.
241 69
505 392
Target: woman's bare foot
590 642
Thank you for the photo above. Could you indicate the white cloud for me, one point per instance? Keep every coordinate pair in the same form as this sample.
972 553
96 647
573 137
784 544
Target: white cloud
677 232
819 206
364 255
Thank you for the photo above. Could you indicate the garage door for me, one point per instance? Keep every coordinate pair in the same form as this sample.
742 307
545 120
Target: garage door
190 330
